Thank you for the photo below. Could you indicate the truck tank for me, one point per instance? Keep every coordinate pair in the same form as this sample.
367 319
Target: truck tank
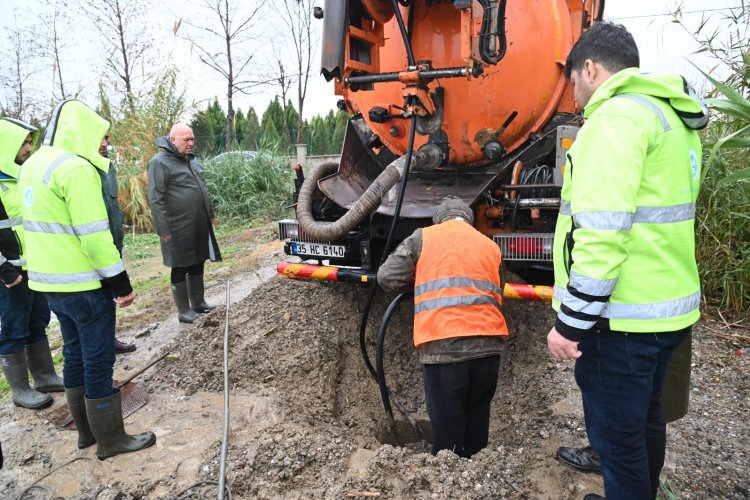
482 84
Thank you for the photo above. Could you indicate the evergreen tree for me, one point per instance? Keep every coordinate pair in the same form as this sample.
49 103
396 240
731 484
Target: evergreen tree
273 125
292 119
320 140
252 136
209 127
337 141
240 129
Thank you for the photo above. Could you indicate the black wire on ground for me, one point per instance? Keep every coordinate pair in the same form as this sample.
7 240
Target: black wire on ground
36 486
206 493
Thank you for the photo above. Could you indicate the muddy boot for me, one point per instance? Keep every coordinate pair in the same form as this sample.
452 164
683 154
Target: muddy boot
105 419
14 368
180 295
77 408
121 347
42 369
196 291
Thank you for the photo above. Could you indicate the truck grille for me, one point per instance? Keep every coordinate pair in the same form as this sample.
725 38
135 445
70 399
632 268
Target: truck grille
528 246
289 230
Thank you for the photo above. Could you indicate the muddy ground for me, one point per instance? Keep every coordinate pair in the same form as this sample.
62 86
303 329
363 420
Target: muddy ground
307 419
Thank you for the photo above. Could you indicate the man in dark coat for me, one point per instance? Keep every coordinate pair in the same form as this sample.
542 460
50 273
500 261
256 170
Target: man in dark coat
116 218
183 216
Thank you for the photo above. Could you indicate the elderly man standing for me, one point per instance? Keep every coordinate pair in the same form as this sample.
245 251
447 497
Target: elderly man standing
183 215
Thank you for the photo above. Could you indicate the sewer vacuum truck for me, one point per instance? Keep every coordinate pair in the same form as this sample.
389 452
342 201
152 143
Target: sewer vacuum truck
463 97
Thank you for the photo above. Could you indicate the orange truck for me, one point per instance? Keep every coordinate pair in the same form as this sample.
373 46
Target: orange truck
462 97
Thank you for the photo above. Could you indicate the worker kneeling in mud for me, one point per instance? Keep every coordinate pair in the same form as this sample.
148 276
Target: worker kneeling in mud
455 273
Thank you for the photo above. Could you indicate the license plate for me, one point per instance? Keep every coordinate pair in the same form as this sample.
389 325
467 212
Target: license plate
318 249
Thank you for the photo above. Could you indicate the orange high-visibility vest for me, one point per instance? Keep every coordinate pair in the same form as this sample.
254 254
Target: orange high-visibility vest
457 288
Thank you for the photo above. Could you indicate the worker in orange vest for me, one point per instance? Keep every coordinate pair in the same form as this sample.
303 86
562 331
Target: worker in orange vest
454 271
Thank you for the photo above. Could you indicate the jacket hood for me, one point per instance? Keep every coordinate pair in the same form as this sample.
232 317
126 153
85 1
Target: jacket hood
166 144
671 88
12 134
77 128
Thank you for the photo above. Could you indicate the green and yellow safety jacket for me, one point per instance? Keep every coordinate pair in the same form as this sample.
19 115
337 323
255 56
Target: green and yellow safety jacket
13 134
624 246
69 247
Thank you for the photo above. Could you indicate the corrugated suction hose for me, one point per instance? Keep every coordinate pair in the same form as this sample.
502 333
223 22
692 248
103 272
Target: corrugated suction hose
368 202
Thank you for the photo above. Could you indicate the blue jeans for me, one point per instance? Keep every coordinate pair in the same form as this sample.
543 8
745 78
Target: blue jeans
620 376
87 321
458 402
24 316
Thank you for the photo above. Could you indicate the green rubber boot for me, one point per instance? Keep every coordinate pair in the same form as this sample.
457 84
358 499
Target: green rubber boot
42 369
17 375
77 406
105 419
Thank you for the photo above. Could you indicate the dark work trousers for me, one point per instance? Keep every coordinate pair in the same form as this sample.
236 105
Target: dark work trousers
620 376
87 323
24 316
458 402
178 274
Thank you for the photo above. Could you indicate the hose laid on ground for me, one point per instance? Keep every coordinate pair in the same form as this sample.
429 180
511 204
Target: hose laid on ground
367 203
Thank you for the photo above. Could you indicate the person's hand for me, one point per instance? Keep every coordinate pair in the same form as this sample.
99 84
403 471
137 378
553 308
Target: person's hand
560 347
167 237
16 282
213 222
126 300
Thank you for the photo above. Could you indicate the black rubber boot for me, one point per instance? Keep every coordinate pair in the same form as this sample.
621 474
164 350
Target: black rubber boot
105 419
77 406
180 295
42 369
196 290
121 347
17 375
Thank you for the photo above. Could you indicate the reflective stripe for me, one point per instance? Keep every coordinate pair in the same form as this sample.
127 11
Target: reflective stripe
456 282
91 227
575 323
647 103
8 223
48 227
579 305
623 221
113 270
565 208
19 123
49 133
654 310
18 262
461 300
612 221
57 228
664 215
64 279
4 187
592 286
71 278
56 163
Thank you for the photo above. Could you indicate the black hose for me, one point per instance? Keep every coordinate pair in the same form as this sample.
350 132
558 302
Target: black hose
384 392
600 11
404 33
485 36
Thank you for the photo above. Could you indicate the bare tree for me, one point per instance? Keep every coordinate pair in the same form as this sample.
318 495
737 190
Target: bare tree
297 17
18 68
226 32
123 27
52 45
285 84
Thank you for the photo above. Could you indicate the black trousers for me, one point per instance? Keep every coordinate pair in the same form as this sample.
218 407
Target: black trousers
458 402
178 273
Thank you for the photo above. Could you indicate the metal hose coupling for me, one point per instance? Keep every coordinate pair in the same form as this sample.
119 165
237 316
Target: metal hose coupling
367 203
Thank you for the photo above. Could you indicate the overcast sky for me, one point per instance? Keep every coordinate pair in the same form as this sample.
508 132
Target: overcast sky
664 46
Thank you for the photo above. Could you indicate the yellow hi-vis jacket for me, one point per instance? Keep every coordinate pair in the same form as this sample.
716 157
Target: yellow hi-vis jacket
13 133
69 246
625 242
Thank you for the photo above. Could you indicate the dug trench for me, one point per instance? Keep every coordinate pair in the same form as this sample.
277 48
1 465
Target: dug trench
307 420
